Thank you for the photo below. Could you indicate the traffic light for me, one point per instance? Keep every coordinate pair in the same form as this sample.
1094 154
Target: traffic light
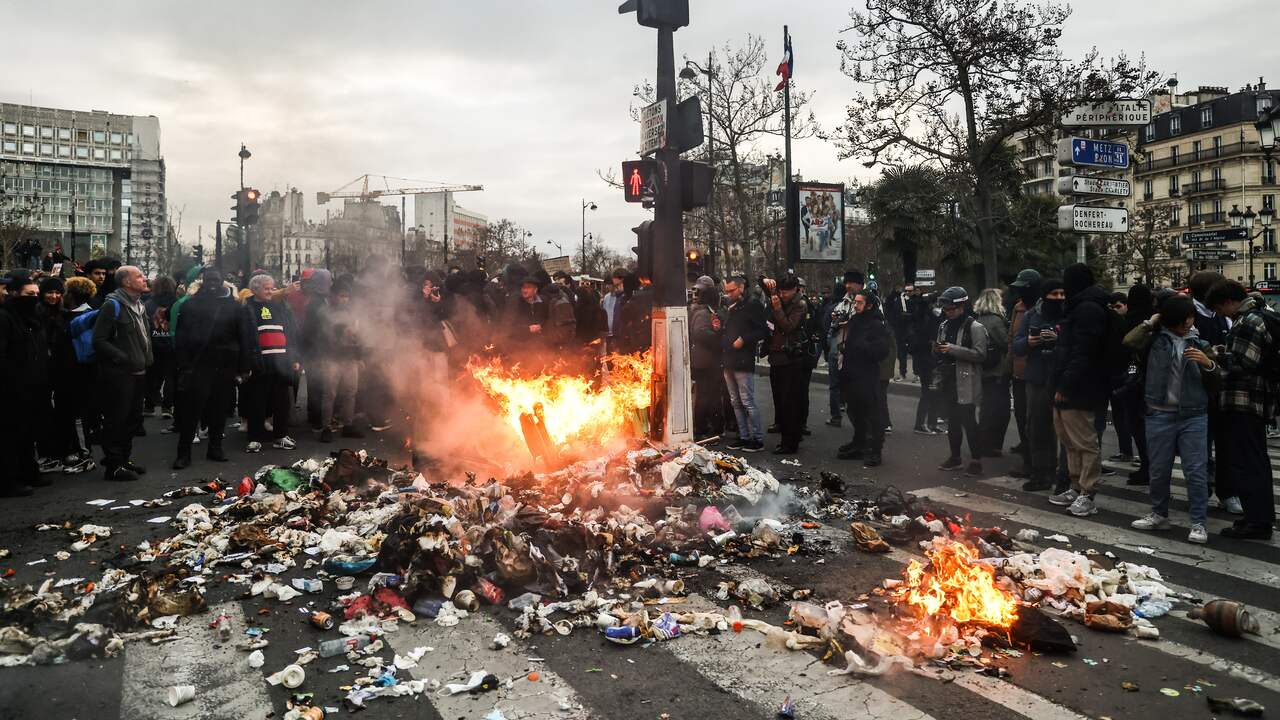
695 184
251 207
658 13
693 262
872 282
237 210
639 180
644 249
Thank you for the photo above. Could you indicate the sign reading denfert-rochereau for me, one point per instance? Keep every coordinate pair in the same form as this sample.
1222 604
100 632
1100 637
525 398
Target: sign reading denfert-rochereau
1112 113
1093 219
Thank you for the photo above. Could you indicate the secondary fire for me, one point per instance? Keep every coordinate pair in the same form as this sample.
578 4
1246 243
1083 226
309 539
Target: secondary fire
571 409
956 585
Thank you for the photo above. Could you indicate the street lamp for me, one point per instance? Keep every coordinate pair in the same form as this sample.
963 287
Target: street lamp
1268 126
557 246
585 207
244 155
690 72
1245 220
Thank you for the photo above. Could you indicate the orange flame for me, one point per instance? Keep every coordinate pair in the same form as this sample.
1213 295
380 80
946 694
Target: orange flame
575 410
957 586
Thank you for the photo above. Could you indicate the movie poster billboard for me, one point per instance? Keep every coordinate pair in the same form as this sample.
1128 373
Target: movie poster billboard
820 220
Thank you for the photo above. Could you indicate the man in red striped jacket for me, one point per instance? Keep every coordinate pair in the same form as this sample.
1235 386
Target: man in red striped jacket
268 392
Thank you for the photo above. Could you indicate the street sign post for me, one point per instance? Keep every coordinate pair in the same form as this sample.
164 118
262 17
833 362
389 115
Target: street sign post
1206 237
653 128
1093 153
1082 185
1211 254
1112 113
1093 219
925 274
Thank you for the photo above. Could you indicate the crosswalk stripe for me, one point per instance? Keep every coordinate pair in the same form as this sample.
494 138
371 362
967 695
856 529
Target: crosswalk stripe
1135 510
749 668
225 686
1024 702
1176 492
1239 670
1223 563
468 647
1179 478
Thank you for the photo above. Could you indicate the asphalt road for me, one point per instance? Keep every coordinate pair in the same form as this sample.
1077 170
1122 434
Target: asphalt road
729 676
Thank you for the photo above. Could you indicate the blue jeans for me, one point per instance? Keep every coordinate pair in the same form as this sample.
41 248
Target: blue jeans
1167 433
833 385
742 395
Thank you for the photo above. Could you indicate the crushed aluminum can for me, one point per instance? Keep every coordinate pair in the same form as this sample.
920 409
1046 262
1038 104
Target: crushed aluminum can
488 591
622 634
322 620
665 627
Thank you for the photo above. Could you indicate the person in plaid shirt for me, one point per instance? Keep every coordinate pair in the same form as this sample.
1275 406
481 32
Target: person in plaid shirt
1248 401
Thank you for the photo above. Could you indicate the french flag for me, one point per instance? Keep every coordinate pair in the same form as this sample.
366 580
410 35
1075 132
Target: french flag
787 66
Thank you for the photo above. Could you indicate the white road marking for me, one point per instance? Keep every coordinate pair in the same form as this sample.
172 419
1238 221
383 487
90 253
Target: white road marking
225 685
1024 702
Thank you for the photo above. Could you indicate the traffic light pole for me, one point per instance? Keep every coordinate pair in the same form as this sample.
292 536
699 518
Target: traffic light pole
672 410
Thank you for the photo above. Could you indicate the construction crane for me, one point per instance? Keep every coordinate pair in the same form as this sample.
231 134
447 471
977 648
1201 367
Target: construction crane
364 193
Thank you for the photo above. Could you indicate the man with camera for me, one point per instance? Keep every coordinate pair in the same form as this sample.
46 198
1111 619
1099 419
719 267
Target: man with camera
788 348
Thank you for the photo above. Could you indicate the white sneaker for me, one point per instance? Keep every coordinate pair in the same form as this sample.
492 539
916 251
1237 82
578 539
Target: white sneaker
284 443
1152 521
196 440
49 465
253 447
1198 534
1064 498
1083 507
1273 434
1232 505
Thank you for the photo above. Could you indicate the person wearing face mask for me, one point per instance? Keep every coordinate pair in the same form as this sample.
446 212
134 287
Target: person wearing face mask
1034 342
925 318
1025 289
960 349
24 370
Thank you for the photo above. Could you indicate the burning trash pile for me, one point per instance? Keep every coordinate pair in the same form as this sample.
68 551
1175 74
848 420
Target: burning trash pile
559 542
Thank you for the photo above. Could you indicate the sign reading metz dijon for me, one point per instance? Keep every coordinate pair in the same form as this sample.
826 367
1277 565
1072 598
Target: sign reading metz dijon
1093 219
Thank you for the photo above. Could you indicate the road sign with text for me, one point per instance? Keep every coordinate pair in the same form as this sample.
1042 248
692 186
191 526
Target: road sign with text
1081 185
1093 219
1111 113
1093 153
1211 254
1208 237
653 128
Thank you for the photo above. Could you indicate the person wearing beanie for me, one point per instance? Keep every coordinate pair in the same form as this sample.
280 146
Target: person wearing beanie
1081 385
705 328
960 349
1025 290
1034 342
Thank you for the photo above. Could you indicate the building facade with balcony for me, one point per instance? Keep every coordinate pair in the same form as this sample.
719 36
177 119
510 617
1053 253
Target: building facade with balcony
1198 161
102 169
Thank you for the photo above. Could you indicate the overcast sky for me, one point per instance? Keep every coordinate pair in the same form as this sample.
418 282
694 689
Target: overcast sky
528 99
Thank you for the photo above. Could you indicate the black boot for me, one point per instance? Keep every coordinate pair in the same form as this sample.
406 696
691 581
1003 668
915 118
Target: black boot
183 460
215 451
873 459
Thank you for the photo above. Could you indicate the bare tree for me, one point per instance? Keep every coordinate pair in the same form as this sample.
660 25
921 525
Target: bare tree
1150 250
169 250
951 81
500 243
746 118
19 215
601 259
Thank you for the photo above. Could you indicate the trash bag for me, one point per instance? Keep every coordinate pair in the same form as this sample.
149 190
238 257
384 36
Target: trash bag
1041 632
285 479
868 539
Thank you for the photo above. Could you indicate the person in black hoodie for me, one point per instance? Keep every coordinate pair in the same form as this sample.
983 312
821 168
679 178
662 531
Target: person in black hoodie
163 373
704 360
1141 306
213 345
1081 384
53 442
24 368
1213 328
866 345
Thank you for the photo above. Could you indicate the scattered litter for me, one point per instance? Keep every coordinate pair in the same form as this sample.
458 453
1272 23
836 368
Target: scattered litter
1130 686
1238 705
1058 537
1169 692
99 502
1028 535
791 461
1226 617
179 694
160 519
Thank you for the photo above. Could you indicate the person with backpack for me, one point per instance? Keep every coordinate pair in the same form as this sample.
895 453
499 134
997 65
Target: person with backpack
1177 384
122 349
993 415
788 357
1082 384
960 350
1250 355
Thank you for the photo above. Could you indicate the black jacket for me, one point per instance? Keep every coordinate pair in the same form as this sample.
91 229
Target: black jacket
215 334
1079 363
866 344
744 319
272 351
704 340
24 357
634 332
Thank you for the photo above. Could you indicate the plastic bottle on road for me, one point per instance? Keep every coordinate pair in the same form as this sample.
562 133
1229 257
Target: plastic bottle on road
734 617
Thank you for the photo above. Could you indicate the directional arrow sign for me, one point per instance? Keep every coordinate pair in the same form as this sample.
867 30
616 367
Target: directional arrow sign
1203 237
1080 185
1092 219
1093 153
1114 113
1211 254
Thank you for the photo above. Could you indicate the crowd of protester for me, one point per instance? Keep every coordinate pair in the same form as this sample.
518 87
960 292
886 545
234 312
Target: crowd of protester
1193 375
